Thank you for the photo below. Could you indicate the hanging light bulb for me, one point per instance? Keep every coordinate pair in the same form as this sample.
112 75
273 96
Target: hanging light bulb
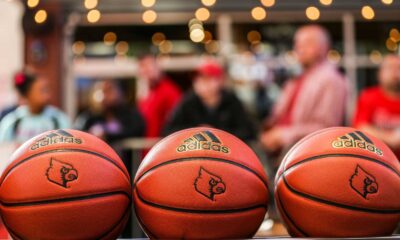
368 12
258 13
312 13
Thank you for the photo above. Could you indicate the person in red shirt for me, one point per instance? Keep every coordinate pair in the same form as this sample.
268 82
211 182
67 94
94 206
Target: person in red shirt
158 96
378 108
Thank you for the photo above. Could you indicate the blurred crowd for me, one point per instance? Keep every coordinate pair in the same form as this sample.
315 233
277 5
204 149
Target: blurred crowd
314 99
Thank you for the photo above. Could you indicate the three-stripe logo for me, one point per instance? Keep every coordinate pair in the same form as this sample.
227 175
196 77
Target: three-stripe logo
56 137
204 140
356 139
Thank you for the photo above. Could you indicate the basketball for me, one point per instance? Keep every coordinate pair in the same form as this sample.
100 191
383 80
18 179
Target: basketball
339 182
200 183
65 184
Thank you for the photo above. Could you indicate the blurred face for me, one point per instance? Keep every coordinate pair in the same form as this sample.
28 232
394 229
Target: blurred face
310 45
208 87
149 70
389 74
111 95
39 94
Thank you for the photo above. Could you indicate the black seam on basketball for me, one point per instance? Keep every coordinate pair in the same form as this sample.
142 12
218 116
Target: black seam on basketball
10 230
327 156
298 144
149 234
108 232
13 236
188 159
126 214
64 150
343 155
141 224
196 211
288 216
339 205
61 200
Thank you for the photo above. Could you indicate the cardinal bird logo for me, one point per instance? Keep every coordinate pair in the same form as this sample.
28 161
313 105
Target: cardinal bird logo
209 184
363 183
61 173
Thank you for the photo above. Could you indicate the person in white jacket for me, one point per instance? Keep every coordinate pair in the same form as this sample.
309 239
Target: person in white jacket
36 115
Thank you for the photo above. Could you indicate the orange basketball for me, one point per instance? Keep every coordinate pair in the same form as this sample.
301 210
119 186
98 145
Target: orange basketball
339 182
200 183
65 184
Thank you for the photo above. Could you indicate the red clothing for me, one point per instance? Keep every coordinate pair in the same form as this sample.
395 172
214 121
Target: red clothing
320 103
157 106
286 118
378 109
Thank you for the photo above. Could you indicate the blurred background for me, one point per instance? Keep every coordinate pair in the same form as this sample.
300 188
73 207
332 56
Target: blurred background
97 54
75 43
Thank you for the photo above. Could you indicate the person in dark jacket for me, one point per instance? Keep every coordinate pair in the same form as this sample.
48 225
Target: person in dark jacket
117 120
210 104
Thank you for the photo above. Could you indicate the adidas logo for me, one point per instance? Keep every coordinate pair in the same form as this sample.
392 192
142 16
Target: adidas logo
356 139
56 137
204 140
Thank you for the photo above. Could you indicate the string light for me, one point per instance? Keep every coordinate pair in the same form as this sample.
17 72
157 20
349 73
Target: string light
149 16
312 13
208 3
196 30
194 21
254 37
166 47
202 14
387 2
32 3
195 24
391 45
375 57
90 4
78 47
122 48
394 35
268 3
197 35
110 38
326 2
93 16
207 37
368 12
148 3
40 16
158 38
258 13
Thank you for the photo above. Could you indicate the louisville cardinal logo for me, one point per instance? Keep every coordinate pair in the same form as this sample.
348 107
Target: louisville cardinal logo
209 184
61 173
363 183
